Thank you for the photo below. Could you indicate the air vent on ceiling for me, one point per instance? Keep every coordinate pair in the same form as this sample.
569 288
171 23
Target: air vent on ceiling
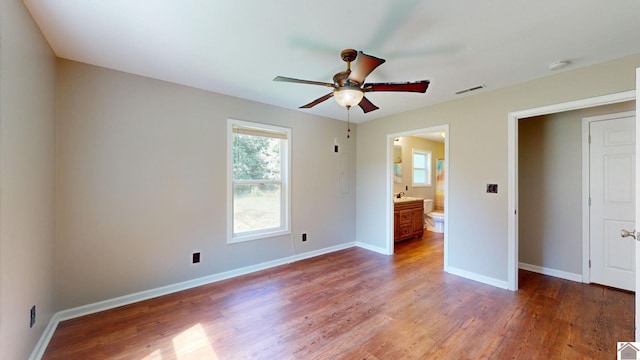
474 88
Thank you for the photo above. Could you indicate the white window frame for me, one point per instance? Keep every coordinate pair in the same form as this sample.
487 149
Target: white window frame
427 169
285 201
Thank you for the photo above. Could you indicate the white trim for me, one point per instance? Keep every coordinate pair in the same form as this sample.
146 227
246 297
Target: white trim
83 310
551 272
477 277
389 191
586 218
586 244
512 166
447 176
637 216
512 199
370 247
45 338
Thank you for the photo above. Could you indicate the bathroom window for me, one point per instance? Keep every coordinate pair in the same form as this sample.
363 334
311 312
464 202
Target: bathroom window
421 168
259 168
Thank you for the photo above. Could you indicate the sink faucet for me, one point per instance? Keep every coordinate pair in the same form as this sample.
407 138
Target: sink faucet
400 194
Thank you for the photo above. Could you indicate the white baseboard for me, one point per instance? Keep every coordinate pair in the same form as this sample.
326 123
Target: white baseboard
477 277
42 344
369 247
551 272
63 315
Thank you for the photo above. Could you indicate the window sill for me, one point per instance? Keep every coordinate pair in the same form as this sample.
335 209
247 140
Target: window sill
257 236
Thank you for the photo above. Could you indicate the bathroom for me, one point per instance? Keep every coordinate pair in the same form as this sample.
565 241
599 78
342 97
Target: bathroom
424 177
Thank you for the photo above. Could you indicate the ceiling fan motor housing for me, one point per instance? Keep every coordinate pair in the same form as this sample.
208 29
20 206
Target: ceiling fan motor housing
342 78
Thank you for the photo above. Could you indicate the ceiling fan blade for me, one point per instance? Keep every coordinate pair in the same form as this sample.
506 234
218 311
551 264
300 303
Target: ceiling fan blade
299 81
415 86
364 65
367 105
317 101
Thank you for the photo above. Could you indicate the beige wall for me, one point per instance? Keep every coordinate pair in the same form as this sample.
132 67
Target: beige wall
478 221
27 144
550 188
409 143
142 183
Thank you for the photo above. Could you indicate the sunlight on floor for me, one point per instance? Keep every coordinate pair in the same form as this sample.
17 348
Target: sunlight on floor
156 355
193 343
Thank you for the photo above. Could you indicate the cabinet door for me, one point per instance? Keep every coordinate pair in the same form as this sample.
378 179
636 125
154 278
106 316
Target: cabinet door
417 221
396 226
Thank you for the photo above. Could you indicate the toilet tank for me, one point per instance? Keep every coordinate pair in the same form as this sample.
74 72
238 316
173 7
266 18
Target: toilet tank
428 206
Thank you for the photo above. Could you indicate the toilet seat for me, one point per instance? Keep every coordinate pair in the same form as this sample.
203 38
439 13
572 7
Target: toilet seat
437 215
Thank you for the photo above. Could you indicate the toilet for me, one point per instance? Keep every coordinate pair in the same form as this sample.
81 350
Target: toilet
433 220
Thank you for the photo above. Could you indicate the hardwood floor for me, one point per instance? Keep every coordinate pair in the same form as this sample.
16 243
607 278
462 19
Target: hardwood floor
356 304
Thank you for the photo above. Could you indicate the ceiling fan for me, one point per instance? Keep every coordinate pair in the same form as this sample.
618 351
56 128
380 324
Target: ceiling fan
349 86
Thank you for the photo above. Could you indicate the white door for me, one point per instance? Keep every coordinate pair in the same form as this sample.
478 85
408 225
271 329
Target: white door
637 217
612 192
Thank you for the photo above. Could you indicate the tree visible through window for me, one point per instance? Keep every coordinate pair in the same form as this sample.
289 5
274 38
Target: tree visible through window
421 168
259 180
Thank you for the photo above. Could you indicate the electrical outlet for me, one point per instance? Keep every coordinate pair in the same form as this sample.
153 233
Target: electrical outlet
195 258
304 237
32 320
492 188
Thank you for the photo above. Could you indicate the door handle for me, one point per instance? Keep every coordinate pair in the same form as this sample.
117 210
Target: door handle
626 233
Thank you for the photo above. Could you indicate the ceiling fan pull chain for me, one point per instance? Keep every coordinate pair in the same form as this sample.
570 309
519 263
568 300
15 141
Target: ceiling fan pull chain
348 123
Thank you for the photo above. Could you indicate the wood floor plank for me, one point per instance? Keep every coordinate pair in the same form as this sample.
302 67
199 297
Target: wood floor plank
356 304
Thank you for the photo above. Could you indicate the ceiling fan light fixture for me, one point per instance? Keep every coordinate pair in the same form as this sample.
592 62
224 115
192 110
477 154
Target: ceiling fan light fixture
348 96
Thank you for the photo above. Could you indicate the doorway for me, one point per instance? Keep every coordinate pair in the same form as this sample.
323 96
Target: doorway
392 180
551 199
512 247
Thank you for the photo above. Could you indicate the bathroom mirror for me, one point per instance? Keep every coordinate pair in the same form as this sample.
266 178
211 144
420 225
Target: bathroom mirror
397 163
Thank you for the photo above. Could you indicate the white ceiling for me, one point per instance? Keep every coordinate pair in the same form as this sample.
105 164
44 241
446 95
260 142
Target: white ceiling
237 47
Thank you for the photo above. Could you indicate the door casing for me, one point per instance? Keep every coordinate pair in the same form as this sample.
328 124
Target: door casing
512 167
389 248
637 97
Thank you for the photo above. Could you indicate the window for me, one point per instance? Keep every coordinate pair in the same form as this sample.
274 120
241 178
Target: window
259 165
421 168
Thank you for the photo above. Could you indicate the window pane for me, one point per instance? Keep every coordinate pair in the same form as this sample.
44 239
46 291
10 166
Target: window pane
419 160
421 168
256 157
256 207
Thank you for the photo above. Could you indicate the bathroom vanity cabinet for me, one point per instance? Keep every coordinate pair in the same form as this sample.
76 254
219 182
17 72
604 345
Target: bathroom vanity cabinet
408 219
